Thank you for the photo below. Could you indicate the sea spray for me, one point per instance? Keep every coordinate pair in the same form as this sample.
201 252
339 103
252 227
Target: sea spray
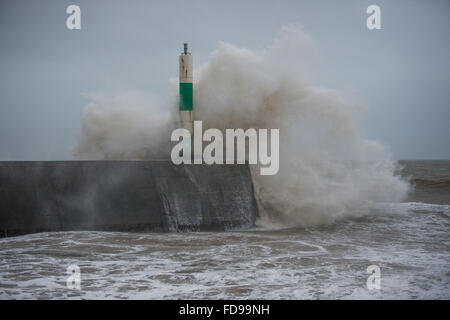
328 168
125 125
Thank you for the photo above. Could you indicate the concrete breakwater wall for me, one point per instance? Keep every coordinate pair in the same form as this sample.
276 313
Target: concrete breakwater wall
154 196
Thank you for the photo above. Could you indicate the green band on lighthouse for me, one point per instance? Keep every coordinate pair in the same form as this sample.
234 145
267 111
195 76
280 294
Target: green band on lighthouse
186 96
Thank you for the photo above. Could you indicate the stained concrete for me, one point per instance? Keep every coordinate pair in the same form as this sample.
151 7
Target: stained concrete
151 196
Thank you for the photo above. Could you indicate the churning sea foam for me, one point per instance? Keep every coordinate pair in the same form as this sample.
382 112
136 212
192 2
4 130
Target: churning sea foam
328 168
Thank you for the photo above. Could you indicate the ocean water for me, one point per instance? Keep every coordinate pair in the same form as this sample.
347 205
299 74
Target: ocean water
408 241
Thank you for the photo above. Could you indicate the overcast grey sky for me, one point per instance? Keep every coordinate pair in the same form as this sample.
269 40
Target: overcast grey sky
401 71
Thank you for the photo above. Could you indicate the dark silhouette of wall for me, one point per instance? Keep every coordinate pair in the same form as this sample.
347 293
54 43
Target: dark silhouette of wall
155 196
